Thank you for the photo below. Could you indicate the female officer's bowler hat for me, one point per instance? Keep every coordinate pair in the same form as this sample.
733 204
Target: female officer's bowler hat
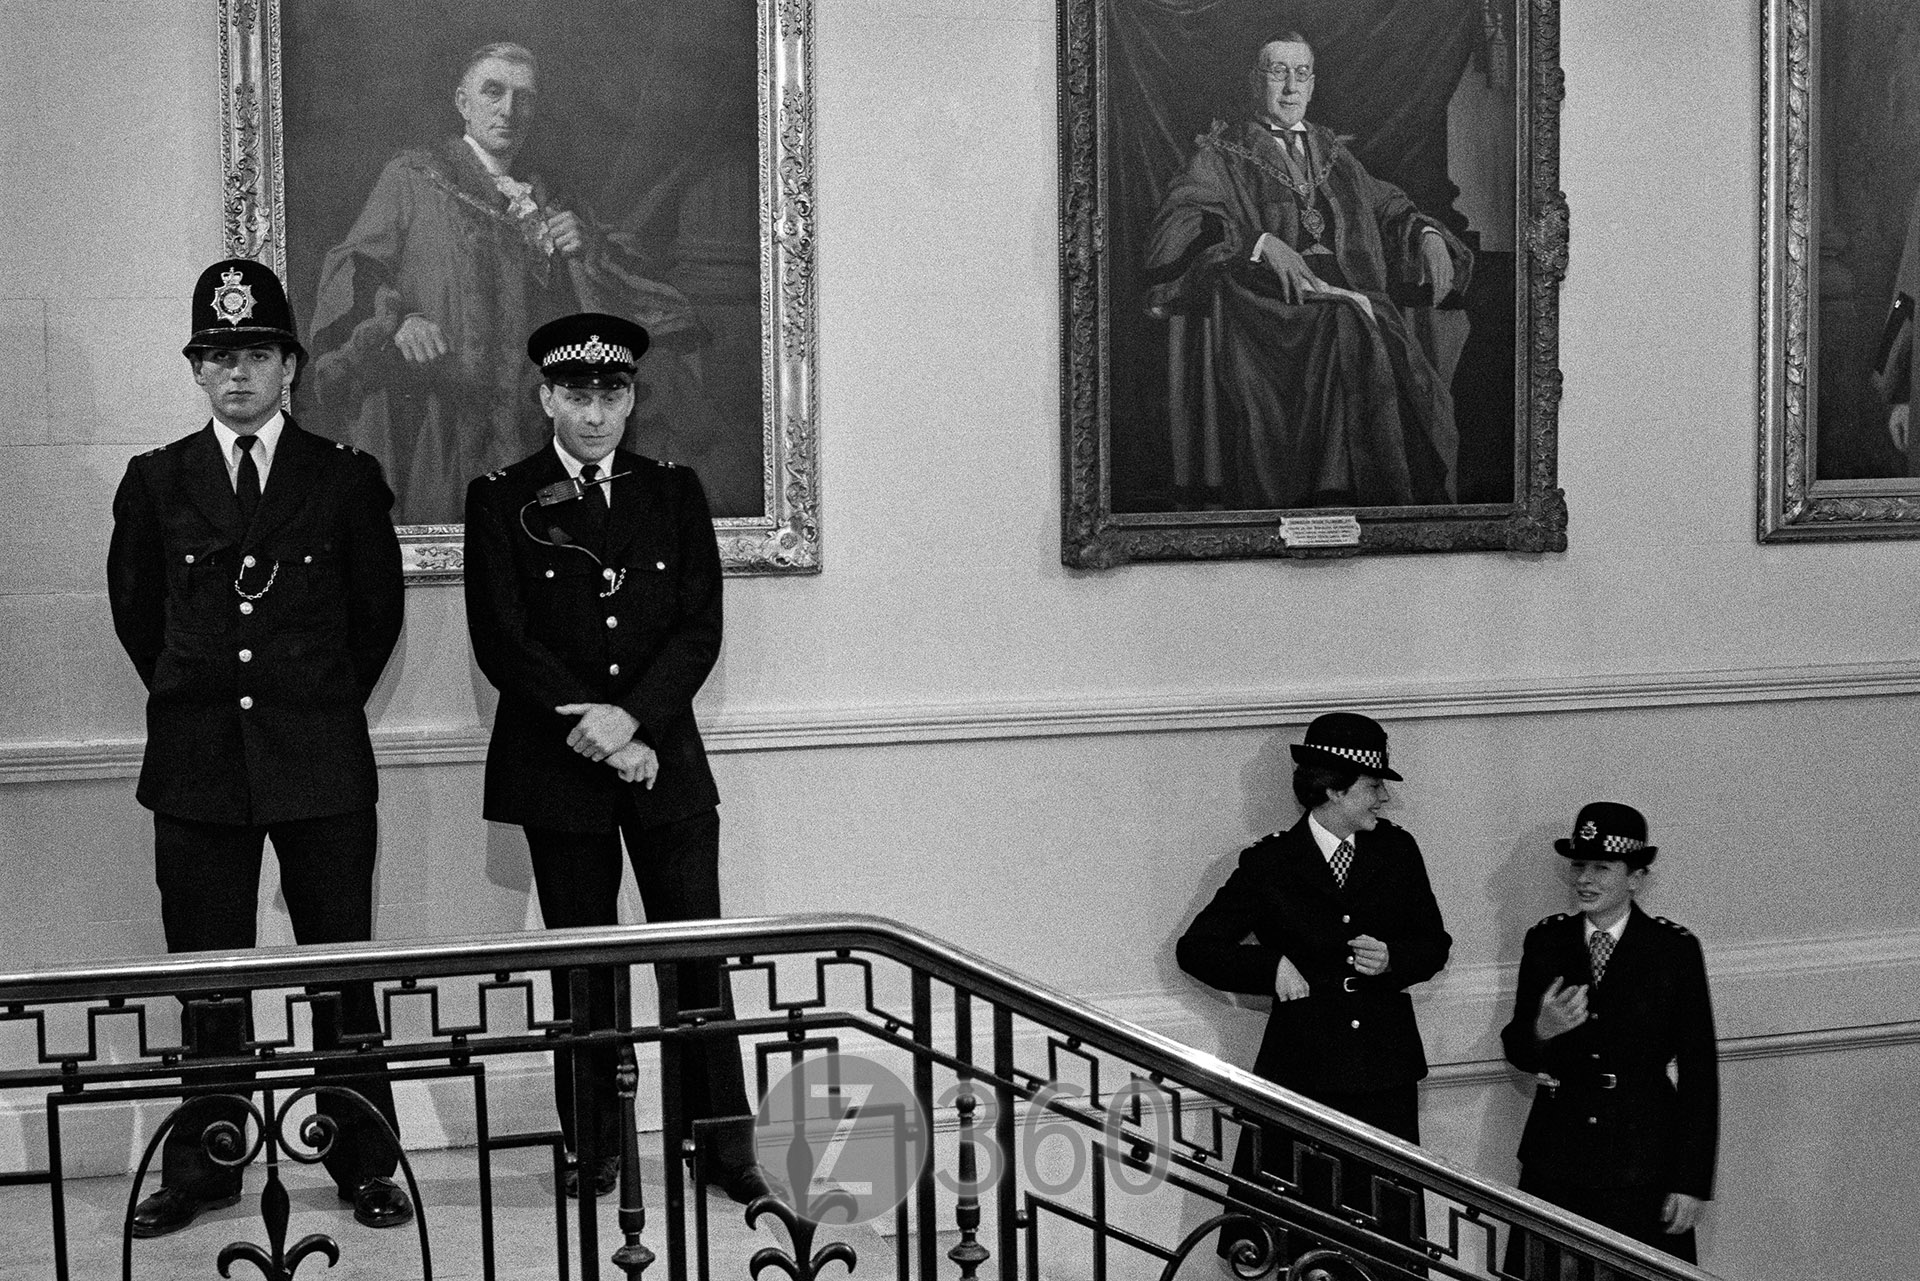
1346 740
1608 831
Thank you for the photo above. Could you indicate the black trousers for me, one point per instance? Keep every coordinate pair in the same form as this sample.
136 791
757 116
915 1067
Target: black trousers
1401 1212
209 875
677 866
1630 1211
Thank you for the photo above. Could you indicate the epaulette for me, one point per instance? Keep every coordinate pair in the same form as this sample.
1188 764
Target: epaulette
155 452
496 473
1673 925
1549 920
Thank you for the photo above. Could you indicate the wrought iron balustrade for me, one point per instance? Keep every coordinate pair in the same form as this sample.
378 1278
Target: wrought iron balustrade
929 1112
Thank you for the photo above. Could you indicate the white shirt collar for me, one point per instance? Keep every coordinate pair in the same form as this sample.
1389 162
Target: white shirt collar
267 442
573 466
1326 840
1618 928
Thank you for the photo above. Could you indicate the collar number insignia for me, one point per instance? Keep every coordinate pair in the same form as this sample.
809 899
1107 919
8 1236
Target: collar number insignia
232 301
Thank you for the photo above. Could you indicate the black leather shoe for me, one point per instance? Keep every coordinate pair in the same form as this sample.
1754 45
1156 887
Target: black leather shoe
745 1183
379 1203
606 1177
171 1209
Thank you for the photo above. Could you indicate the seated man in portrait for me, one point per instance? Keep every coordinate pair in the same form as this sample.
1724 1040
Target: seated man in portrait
1299 379
421 310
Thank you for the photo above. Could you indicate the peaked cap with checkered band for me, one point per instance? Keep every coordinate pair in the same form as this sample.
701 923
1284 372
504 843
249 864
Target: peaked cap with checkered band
587 349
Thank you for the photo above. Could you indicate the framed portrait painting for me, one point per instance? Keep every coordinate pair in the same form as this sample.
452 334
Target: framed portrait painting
1841 271
1310 263
434 181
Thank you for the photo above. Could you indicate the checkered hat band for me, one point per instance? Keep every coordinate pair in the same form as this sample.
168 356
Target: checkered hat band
1360 756
593 352
1621 845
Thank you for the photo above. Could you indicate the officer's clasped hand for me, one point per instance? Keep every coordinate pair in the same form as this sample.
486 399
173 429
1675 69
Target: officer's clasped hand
603 728
1369 955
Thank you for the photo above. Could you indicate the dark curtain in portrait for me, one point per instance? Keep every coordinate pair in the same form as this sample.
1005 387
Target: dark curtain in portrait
1386 71
647 117
1868 187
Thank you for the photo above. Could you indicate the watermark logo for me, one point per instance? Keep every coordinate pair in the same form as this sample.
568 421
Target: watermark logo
846 1134
851 1139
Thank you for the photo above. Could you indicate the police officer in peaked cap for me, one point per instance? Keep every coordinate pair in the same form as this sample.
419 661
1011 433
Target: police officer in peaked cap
593 601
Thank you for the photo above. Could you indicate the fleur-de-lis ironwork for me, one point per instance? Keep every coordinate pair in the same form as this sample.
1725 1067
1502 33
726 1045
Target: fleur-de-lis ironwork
277 1263
804 1263
225 1144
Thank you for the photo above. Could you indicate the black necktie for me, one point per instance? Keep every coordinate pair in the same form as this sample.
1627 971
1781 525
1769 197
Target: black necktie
596 493
246 488
593 519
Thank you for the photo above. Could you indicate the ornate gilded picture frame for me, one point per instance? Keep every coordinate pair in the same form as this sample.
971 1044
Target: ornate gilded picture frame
1309 278
1840 271
666 176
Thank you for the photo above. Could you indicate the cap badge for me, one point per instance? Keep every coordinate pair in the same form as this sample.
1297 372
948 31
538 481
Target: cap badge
1588 830
232 301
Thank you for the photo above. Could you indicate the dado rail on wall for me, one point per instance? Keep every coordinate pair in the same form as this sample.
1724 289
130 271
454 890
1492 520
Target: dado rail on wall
873 726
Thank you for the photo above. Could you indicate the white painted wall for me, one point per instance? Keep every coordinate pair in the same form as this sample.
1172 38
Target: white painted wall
944 613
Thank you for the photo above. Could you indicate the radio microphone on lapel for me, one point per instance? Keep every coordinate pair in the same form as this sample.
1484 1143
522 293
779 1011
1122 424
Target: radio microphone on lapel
565 491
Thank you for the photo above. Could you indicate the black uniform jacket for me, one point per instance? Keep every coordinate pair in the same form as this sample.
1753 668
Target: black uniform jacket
546 634
257 674
1616 1119
1352 1033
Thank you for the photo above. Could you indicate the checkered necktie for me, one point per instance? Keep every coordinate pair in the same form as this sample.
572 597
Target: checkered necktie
1342 862
1600 949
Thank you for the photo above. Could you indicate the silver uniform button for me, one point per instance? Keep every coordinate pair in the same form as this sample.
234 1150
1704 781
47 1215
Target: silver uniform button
246 702
246 607
612 621
189 558
659 564
1355 1023
549 573
613 670
607 574
309 560
246 656
1346 920
248 561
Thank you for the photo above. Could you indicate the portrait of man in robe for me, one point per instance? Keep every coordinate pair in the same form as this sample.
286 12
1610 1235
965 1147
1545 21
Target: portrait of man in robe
457 178
1311 254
